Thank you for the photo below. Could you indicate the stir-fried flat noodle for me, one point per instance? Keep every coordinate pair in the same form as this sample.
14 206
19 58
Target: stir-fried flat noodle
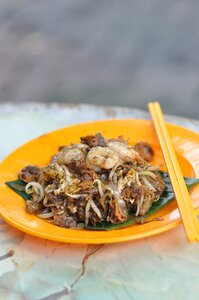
94 181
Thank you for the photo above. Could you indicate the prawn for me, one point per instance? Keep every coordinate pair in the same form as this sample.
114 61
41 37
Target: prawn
102 158
71 153
124 151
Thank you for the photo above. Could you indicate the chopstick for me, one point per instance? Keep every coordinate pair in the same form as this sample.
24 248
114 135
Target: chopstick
182 196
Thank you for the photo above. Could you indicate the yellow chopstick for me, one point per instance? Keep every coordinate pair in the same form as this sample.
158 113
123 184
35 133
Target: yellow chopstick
182 196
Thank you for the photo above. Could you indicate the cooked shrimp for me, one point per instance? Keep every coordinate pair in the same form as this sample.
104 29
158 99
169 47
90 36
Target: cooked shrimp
71 153
124 151
102 158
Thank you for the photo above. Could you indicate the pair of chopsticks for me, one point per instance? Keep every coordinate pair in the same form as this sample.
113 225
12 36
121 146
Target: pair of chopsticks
182 196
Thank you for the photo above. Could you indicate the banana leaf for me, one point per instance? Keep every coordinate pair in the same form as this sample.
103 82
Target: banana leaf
19 187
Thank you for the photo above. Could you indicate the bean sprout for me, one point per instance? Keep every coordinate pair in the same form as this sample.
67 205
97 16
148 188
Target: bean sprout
46 215
87 209
148 184
139 205
77 196
35 187
96 209
148 173
99 183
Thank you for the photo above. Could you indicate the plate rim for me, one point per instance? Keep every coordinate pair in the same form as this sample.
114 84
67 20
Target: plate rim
98 240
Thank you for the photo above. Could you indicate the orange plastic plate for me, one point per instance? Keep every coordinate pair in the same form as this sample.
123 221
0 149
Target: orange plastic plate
40 150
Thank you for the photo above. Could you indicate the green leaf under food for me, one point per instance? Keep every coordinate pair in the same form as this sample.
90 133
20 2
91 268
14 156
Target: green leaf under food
19 187
165 199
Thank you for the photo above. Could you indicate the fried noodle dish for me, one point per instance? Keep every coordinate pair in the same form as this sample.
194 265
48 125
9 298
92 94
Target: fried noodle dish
97 180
